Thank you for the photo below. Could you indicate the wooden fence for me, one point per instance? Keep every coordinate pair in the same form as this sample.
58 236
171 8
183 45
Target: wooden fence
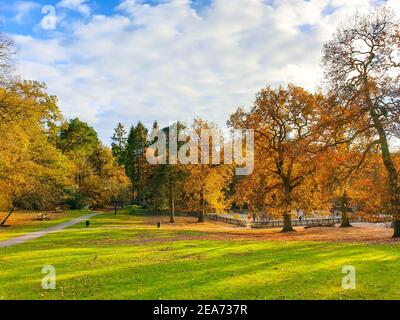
216 217
312 222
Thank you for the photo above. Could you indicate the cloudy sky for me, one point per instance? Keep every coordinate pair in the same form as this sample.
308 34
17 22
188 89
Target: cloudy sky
168 60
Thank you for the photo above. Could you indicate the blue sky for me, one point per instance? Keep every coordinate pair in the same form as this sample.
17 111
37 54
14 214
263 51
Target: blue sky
31 12
131 60
9 9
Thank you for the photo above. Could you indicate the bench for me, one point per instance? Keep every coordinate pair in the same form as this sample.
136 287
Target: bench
42 217
59 210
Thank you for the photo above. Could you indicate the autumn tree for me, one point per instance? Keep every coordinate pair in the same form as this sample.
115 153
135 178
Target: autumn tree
32 170
186 175
370 190
44 161
286 148
207 181
107 181
362 67
344 156
98 179
338 172
78 141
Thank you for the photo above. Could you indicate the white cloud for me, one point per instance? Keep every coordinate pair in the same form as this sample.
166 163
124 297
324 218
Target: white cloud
45 52
23 9
168 62
80 6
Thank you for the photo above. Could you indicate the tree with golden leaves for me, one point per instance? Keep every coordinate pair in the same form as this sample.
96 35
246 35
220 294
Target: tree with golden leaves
206 184
32 170
287 148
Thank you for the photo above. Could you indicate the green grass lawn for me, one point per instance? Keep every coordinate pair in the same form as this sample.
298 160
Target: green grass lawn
24 224
120 257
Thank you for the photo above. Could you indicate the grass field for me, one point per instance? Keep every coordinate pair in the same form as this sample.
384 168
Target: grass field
127 257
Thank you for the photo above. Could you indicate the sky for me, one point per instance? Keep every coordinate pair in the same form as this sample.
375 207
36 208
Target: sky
111 61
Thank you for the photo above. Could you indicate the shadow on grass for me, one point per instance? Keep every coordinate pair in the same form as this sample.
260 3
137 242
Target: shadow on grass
194 269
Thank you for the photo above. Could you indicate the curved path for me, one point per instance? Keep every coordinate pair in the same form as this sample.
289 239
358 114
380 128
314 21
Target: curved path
41 233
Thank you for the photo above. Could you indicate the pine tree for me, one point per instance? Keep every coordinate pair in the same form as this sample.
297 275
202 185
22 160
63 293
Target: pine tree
119 143
135 160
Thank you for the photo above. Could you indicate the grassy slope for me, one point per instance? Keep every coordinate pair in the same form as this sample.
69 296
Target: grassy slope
111 261
22 223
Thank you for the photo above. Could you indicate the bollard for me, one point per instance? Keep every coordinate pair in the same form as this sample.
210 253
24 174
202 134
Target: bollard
87 223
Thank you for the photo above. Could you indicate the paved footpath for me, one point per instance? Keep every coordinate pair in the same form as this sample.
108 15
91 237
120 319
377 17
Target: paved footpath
41 233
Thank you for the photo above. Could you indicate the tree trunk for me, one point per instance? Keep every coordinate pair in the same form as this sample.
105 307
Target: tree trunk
201 216
171 203
133 198
287 218
344 202
139 196
396 229
8 216
202 206
392 174
143 197
287 223
345 220
387 160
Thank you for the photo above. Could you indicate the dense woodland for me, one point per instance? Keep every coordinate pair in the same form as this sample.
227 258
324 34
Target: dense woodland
313 150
